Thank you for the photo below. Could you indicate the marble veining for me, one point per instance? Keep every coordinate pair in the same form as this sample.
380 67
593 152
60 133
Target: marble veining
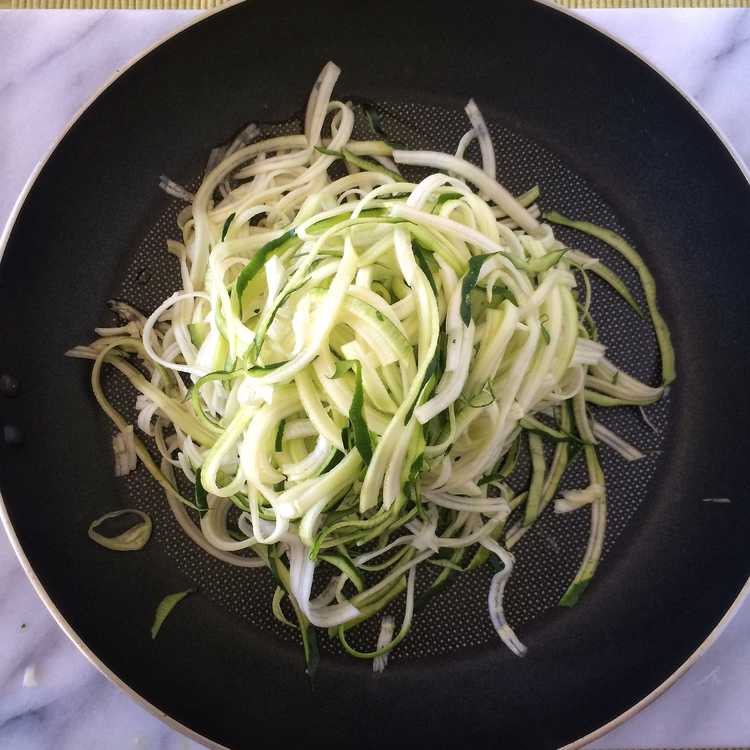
705 52
52 62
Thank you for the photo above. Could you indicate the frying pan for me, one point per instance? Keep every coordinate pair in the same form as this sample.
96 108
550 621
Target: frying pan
608 139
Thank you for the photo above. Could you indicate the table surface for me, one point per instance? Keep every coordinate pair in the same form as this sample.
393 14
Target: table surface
53 61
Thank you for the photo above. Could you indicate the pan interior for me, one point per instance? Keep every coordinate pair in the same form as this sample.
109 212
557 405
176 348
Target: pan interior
549 555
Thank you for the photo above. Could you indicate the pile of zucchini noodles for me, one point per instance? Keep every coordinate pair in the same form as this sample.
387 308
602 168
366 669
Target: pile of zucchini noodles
354 364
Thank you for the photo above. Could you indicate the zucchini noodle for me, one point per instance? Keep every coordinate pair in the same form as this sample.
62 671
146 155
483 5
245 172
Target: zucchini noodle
131 540
348 370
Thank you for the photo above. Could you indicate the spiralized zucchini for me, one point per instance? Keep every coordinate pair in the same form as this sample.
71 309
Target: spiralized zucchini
352 363
131 540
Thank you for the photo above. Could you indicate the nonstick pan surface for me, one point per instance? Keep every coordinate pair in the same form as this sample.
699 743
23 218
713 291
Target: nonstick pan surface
608 140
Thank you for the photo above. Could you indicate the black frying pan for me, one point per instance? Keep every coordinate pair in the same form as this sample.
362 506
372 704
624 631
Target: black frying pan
608 139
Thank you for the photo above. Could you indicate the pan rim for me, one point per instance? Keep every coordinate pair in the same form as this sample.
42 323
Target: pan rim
26 565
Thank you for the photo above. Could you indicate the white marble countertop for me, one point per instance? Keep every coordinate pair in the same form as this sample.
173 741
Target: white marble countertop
52 62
